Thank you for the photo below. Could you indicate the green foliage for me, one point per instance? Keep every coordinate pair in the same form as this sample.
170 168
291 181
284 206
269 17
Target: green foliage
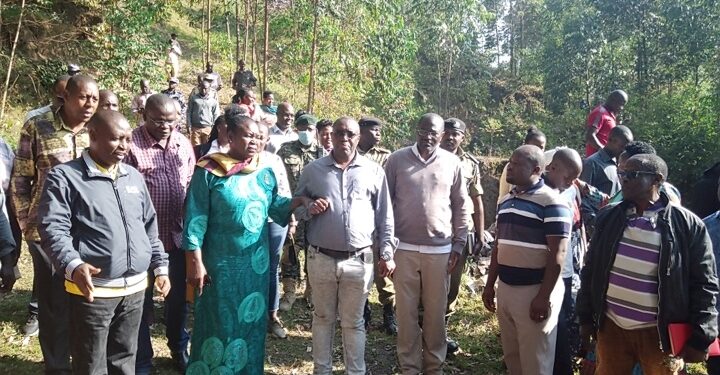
500 65
121 60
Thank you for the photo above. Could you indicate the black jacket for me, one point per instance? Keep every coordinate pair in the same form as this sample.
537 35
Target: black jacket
86 216
687 279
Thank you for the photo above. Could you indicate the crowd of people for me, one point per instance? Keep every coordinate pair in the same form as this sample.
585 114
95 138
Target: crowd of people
218 207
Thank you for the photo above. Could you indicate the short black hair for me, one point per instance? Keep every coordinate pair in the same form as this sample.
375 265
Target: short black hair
244 91
267 93
533 133
300 112
622 132
324 123
639 147
652 163
77 80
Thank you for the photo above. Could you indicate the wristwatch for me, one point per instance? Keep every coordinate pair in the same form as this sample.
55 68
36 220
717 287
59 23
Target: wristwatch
386 256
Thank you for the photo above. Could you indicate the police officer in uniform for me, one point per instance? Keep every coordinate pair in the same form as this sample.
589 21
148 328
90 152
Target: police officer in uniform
370 129
295 156
452 139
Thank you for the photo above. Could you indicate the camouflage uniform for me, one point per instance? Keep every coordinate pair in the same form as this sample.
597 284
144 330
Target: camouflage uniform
384 285
470 166
376 154
295 157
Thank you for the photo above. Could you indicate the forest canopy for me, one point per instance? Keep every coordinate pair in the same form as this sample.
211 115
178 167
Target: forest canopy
500 65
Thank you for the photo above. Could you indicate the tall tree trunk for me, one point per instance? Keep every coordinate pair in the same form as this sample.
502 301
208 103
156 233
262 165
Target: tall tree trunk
227 24
1 39
497 31
265 49
311 85
237 32
10 62
254 43
209 25
247 29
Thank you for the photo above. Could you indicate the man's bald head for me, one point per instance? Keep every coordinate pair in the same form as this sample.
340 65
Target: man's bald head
108 100
619 137
533 154
60 84
58 89
431 119
160 102
104 119
110 136
430 130
525 167
621 132
160 115
285 115
347 122
616 101
345 137
570 159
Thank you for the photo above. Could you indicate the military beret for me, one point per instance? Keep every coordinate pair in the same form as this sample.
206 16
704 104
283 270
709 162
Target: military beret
370 121
453 123
306 119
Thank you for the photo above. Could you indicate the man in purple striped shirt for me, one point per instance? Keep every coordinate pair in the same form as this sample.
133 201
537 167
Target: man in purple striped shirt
650 263
166 160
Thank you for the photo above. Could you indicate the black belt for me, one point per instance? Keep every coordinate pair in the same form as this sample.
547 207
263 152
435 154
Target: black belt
339 254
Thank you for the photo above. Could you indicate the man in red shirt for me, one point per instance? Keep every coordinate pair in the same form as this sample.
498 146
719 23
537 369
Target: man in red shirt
601 120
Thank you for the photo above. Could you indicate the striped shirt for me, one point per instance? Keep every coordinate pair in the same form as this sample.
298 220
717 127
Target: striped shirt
632 295
524 221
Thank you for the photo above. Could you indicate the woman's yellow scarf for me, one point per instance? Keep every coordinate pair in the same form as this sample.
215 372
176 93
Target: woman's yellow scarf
222 165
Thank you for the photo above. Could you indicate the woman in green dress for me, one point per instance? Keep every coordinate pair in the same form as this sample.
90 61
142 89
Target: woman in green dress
228 202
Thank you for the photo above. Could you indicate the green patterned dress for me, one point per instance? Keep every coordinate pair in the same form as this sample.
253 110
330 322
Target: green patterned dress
225 217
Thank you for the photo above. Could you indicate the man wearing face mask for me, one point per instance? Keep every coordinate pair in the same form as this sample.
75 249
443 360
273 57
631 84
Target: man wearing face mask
295 156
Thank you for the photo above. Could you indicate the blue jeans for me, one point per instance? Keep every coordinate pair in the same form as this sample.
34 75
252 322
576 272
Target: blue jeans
176 311
277 238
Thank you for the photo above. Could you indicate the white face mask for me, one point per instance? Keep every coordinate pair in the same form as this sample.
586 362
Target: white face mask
306 137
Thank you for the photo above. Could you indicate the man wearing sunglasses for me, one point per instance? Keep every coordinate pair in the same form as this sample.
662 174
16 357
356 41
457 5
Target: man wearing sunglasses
351 211
166 160
650 263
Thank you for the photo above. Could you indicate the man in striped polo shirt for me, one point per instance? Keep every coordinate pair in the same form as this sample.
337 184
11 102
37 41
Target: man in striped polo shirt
650 263
533 225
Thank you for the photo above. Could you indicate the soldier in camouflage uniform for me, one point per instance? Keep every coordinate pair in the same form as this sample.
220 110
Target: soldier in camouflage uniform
370 129
451 141
295 156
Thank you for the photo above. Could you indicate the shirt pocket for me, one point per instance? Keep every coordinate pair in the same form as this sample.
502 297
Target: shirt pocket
293 165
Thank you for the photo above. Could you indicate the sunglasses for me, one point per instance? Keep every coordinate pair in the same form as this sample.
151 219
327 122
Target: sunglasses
635 174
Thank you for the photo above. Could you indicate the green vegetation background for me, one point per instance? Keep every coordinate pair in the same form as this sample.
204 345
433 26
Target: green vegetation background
500 65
